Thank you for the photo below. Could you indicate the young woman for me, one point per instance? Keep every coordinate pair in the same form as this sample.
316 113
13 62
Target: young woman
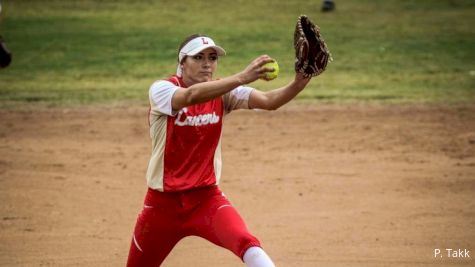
183 174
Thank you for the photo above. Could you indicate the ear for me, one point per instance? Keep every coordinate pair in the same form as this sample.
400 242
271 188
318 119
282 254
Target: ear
181 69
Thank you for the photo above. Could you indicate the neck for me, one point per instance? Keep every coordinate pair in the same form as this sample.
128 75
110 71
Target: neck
187 81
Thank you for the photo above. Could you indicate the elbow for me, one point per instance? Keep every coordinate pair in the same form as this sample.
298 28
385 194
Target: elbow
272 107
272 104
269 105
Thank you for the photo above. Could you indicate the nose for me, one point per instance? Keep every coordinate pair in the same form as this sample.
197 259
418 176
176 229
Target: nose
207 63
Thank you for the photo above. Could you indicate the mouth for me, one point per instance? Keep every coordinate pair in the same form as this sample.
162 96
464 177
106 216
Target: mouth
205 72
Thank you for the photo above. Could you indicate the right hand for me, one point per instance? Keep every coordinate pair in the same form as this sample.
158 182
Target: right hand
255 70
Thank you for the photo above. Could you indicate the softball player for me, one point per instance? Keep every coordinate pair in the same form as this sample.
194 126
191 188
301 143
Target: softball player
186 116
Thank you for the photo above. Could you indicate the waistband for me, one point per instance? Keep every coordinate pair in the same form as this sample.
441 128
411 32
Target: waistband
155 197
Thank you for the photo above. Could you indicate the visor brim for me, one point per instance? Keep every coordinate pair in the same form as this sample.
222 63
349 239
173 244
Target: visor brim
219 50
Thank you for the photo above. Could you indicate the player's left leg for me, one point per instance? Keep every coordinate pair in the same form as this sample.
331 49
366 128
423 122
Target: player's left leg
257 257
218 221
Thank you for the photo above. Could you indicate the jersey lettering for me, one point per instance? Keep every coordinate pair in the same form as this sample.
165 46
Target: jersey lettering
203 119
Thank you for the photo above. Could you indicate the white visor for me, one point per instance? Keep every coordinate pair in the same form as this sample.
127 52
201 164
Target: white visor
195 46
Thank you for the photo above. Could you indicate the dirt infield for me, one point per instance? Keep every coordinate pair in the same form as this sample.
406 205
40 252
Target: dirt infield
320 185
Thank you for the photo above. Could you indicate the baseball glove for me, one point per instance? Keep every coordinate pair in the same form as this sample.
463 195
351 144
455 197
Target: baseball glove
311 52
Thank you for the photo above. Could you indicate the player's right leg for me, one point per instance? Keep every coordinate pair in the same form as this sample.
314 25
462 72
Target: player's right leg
156 233
153 239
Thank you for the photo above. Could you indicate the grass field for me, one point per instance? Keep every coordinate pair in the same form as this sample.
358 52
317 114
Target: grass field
75 52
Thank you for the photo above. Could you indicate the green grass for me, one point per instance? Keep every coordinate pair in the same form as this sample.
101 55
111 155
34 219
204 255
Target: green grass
75 52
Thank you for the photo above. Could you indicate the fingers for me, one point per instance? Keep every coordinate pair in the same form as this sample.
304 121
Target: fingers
265 78
265 70
262 60
255 70
262 71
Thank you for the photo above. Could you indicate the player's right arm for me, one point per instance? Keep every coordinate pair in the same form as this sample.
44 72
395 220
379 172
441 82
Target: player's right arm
205 91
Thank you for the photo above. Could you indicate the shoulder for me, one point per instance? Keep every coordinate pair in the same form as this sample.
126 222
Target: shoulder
242 92
162 88
160 84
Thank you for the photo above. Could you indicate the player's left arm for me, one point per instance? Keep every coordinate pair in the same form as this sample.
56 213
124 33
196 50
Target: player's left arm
276 98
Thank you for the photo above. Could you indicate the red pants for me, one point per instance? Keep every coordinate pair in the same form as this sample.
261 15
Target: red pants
168 217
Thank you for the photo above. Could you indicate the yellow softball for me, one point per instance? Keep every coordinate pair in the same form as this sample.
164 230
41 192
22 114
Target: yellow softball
272 75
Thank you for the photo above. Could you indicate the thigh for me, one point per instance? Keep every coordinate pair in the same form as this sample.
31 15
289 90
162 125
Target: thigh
155 235
219 222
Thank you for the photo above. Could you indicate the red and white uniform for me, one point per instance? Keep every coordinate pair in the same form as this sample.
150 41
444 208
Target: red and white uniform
183 198
186 145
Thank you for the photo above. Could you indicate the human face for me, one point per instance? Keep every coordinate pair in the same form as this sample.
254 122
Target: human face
200 67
